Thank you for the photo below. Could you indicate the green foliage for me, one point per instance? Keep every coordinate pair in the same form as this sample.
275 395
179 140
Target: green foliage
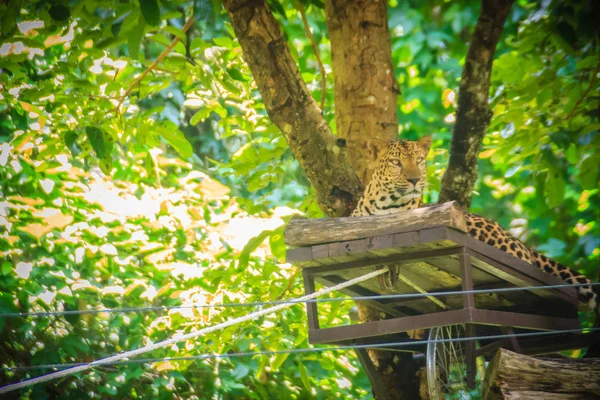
106 206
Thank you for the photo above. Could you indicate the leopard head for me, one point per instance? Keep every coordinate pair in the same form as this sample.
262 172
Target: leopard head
399 179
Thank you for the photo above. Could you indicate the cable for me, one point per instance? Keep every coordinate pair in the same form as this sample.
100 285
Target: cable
294 301
307 350
179 338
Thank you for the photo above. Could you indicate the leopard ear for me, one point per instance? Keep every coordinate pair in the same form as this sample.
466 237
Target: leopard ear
425 143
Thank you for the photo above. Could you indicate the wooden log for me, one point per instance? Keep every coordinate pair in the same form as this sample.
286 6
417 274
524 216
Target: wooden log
306 232
516 376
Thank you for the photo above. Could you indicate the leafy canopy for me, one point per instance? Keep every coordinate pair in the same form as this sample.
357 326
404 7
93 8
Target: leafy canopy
174 190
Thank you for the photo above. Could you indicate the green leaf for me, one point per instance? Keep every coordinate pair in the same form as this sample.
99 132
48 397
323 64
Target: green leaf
59 12
571 154
327 364
277 8
176 32
278 361
9 19
554 189
223 41
200 116
203 10
102 142
588 173
304 377
6 268
236 74
251 246
171 133
240 371
134 40
70 138
150 11
106 165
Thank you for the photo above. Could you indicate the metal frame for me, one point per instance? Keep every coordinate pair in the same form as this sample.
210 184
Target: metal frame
327 264
469 315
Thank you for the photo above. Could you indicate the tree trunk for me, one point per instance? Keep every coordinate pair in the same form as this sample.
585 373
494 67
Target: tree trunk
516 376
365 86
365 110
473 114
291 107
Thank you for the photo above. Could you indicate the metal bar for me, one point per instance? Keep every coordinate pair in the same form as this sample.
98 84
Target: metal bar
507 330
495 345
523 274
359 291
377 385
466 277
312 311
419 289
332 269
556 343
388 326
518 320
418 347
470 355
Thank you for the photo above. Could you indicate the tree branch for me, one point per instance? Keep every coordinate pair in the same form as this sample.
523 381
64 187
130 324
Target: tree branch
365 87
160 57
291 107
473 114
584 95
315 48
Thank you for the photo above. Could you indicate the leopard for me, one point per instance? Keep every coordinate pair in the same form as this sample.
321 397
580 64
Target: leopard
398 183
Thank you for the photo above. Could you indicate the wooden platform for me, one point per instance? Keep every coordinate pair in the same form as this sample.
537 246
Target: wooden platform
426 251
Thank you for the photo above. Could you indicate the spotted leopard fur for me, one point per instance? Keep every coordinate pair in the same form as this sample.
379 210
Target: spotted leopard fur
398 183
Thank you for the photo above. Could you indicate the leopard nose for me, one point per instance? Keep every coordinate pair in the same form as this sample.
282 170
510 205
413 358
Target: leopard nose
413 180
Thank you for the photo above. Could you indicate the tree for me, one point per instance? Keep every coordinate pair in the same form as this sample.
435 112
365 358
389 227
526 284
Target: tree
152 92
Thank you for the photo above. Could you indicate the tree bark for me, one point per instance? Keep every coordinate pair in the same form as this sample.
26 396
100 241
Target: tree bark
517 376
365 86
473 114
291 107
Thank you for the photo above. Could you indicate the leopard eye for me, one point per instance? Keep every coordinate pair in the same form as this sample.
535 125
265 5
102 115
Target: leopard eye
395 162
419 159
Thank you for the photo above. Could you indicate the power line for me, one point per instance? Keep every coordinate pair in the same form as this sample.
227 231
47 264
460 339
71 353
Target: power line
306 350
292 301
187 336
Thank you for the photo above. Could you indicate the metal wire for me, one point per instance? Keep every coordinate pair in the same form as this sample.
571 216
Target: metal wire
306 350
293 301
187 336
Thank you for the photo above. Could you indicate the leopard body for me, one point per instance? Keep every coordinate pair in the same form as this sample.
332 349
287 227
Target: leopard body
398 183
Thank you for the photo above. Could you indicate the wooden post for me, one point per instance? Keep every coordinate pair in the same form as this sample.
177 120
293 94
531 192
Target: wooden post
516 376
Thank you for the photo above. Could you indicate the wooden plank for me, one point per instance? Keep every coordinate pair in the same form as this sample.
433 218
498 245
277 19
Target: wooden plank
306 232
329 269
370 248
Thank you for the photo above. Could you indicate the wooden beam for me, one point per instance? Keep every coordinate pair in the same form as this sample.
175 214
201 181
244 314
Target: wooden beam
517 376
306 232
